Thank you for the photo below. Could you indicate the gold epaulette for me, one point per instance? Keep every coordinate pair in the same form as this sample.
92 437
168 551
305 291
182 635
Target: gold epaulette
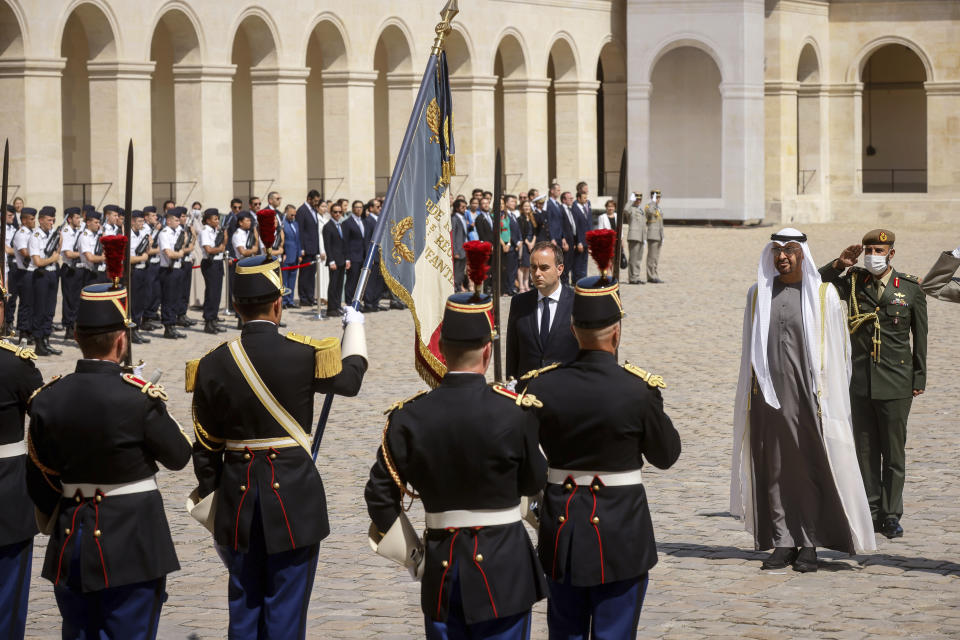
653 381
521 399
190 370
399 403
327 350
152 390
21 352
911 278
41 388
529 375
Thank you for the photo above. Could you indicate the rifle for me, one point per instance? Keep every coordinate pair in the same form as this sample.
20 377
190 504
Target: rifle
251 238
53 240
144 244
218 238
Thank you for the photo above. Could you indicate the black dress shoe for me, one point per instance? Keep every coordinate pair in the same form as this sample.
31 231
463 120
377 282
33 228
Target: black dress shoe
396 304
210 327
41 349
332 313
184 321
656 281
891 528
56 352
68 334
216 325
780 558
146 325
136 338
170 333
806 561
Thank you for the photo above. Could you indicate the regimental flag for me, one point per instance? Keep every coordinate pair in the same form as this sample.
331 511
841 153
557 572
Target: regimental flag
416 258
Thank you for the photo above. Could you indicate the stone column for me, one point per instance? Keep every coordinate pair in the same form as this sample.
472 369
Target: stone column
780 113
525 133
742 151
473 124
943 138
114 121
204 132
280 131
846 141
35 135
638 137
348 121
614 132
576 128
402 91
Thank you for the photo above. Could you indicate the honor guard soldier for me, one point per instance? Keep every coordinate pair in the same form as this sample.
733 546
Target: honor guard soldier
152 308
259 490
469 451
139 248
654 235
598 423
19 378
213 244
91 251
92 476
886 308
111 220
71 276
171 259
185 274
44 250
21 248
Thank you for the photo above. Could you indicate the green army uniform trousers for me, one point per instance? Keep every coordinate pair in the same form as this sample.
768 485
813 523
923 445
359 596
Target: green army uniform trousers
880 434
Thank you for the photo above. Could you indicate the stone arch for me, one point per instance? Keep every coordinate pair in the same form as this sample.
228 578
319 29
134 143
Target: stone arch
564 57
513 54
611 114
175 106
563 115
255 54
894 119
510 100
686 123
327 57
809 173
855 70
12 31
459 50
393 93
697 41
88 43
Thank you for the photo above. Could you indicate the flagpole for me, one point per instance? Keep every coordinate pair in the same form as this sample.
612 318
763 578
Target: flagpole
442 29
497 262
128 231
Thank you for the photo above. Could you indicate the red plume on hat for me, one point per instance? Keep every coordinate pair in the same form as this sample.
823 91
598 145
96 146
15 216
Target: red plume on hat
267 225
478 260
601 244
114 248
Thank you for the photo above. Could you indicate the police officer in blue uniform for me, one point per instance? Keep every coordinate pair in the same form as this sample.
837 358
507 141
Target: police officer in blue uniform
92 476
253 413
19 378
469 451
599 422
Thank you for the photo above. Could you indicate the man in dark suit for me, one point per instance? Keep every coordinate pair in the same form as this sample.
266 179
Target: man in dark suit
375 283
538 327
354 247
568 236
336 260
459 235
485 233
292 253
308 223
555 216
511 259
583 216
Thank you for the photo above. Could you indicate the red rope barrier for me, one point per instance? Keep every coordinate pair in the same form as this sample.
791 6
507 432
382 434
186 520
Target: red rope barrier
290 268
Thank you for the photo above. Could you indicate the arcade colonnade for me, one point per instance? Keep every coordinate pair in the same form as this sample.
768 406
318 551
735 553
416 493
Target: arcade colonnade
228 98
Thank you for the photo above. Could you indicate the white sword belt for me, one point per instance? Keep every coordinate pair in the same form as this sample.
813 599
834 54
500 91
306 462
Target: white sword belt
13 449
89 490
261 444
608 478
462 519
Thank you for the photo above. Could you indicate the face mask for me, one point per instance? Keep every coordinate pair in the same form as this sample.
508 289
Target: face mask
875 264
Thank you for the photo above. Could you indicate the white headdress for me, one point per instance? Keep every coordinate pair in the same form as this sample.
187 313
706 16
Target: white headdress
810 287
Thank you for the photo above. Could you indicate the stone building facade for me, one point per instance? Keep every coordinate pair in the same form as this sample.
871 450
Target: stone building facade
793 110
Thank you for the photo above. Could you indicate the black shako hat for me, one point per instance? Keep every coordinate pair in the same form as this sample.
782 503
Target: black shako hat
596 303
468 319
103 308
256 280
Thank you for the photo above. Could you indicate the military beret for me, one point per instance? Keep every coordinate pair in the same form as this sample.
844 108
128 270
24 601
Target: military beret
244 215
209 213
150 209
181 211
172 211
136 213
10 209
28 211
89 207
111 207
47 211
93 215
879 236
69 211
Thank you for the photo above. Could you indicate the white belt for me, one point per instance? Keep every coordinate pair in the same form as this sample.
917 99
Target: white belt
88 490
608 478
13 449
261 444
142 265
472 518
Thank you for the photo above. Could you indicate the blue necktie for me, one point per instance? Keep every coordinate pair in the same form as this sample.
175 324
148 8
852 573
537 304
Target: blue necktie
545 323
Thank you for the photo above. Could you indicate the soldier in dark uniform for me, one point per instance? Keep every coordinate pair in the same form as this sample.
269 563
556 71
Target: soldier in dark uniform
92 476
253 413
152 309
71 275
470 452
19 378
598 423
886 309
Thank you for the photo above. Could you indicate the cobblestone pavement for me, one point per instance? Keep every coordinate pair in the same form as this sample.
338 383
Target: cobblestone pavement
708 582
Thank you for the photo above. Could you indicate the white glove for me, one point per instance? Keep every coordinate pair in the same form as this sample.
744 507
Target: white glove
511 384
138 370
351 315
956 253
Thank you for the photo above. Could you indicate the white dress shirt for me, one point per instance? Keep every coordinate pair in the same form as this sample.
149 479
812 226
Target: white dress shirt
554 302
208 236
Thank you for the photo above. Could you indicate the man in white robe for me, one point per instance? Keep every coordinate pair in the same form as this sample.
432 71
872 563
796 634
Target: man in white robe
794 476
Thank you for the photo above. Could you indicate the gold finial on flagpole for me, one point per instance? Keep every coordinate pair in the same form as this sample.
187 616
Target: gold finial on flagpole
442 29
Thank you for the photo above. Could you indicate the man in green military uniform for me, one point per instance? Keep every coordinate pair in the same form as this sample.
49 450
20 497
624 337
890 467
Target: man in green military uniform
654 235
885 307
